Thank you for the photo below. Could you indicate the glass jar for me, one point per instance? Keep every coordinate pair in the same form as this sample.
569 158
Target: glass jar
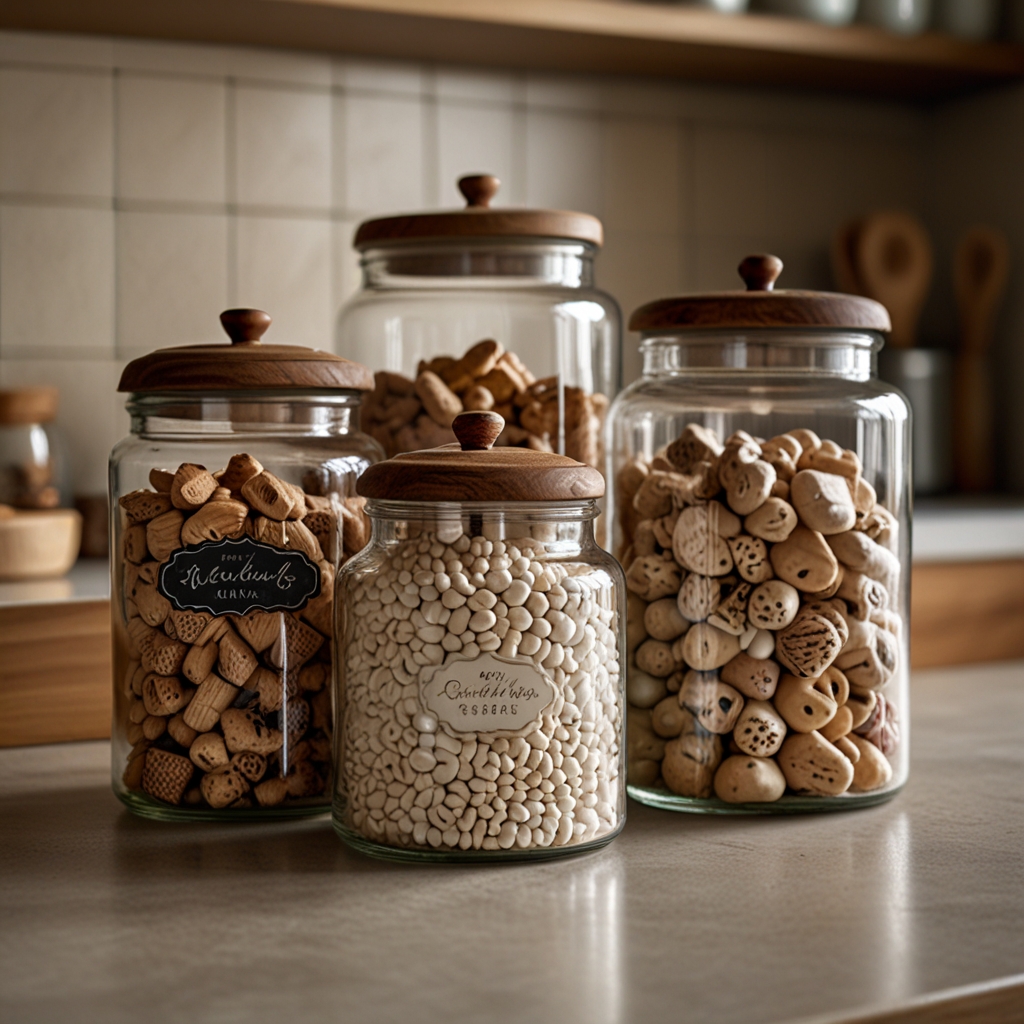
485 309
762 513
480 694
233 502
33 467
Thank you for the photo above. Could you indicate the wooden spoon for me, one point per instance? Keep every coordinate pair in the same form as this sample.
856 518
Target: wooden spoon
893 259
981 268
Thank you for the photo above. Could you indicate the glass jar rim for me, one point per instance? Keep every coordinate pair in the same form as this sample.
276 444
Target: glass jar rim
579 510
796 337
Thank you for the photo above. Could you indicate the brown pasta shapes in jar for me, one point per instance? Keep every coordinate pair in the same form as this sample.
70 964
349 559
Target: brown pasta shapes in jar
227 583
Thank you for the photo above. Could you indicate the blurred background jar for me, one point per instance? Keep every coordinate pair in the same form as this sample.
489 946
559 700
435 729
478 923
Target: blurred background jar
232 504
829 12
484 308
762 514
33 467
904 17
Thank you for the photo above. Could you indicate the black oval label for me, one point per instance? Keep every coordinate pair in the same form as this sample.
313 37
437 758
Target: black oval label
238 576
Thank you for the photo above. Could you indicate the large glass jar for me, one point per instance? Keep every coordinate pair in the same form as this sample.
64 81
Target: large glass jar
480 693
485 309
233 502
762 513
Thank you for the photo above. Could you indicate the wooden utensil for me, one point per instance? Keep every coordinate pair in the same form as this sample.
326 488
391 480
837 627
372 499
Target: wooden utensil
893 262
980 271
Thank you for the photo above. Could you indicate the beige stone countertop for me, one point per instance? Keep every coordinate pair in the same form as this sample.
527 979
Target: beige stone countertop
106 917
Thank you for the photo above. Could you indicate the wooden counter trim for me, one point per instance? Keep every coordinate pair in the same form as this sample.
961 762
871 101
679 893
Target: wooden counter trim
54 672
55 658
966 612
992 1002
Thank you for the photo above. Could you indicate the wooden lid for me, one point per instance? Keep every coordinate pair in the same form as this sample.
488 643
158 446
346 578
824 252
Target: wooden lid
760 306
28 405
472 470
479 220
244 365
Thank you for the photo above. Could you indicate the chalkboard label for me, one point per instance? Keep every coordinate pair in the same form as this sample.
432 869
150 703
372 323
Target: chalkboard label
238 576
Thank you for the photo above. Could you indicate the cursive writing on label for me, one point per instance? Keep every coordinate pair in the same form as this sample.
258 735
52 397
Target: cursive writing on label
488 693
237 575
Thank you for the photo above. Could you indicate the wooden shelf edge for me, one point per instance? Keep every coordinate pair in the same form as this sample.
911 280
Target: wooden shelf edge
606 36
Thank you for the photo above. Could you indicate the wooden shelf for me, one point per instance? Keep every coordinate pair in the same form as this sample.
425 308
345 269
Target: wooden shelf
611 36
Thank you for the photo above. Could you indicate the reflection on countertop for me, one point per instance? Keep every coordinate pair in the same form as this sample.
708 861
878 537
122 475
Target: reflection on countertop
702 919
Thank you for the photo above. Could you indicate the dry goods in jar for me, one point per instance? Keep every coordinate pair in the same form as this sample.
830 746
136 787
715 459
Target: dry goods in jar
229 710
422 767
763 618
409 415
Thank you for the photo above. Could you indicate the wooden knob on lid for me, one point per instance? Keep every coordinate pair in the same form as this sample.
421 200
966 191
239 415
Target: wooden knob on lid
477 431
245 325
760 273
479 189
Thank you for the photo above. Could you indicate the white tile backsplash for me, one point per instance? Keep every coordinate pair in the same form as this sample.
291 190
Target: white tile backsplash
400 78
141 177
172 58
475 139
563 161
384 154
171 141
56 49
282 147
477 85
56 282
643 163
729 181
172 279
56 132
283 266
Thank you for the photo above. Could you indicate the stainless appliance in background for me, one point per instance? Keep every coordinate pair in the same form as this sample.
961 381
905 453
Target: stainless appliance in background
924 376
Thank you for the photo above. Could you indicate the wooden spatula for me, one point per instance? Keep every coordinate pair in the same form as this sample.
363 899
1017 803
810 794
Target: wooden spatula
893 263
980 271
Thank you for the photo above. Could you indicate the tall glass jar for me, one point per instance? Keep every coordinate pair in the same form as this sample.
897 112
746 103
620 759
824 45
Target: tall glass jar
233 503
485 309
480 690
762 513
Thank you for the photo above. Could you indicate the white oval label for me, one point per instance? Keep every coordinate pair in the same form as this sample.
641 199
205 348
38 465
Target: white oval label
487 694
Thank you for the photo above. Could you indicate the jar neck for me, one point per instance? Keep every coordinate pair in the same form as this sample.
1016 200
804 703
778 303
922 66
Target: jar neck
850 355
561 527
277 414
486 264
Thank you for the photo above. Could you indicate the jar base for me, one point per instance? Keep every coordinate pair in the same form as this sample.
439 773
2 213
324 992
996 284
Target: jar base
665 800
145 807
359 842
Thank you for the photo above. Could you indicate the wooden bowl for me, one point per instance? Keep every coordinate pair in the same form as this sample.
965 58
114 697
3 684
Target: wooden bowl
37 544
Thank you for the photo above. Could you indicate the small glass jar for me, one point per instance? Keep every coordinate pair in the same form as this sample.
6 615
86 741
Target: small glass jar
33 466
485 309
480 692
233 502
762 513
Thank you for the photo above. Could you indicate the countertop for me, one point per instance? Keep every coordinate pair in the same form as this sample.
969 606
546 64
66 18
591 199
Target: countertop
107 917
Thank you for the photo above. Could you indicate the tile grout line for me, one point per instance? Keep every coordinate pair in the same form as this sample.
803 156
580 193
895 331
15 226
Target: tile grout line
230 196
115 187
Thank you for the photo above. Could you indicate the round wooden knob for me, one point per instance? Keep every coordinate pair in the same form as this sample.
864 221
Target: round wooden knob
479 189
477 431
245 324
760 273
